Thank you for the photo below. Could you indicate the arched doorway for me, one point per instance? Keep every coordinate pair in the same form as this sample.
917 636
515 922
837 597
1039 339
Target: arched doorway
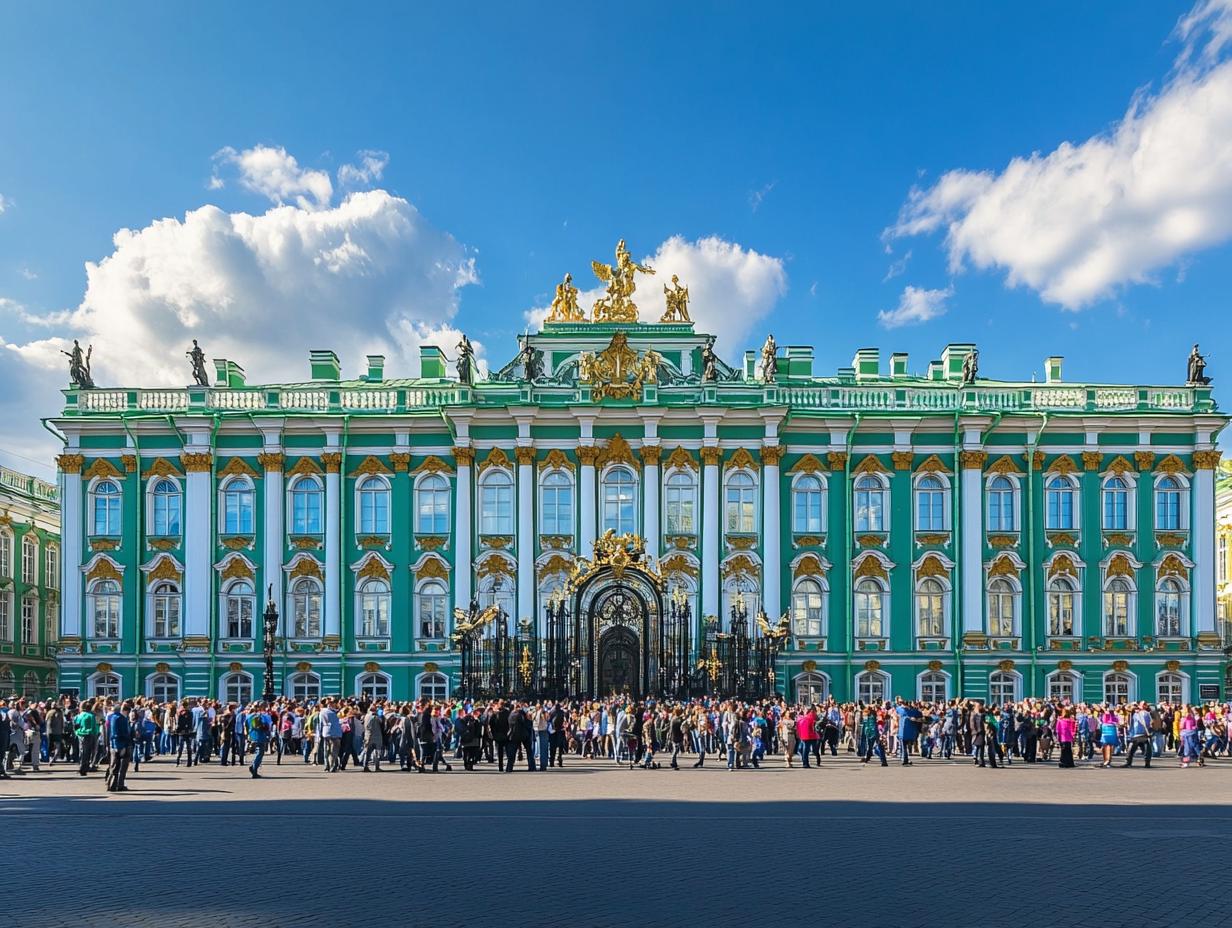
619 662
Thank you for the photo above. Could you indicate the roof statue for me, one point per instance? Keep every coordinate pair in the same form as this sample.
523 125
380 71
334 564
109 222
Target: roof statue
616 305
677 302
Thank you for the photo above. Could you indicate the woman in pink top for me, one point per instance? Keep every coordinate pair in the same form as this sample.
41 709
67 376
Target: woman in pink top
1066 729
806 735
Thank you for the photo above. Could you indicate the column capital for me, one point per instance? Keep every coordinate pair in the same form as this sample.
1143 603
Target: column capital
197 461
271 461
70 463
973 459
589 454
525 454
464 456
1206 460
401 460
711 455
332 461
771 455
837 460
650 454
130 462
902 460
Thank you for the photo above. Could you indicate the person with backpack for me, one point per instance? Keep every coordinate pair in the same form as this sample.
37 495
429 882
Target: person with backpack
259 725
185 735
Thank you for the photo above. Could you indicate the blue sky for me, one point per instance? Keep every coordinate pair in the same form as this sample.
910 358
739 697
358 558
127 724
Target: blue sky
769 153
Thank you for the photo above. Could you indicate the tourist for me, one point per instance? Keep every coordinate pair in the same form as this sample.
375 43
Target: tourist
1109 737
259 726
120 743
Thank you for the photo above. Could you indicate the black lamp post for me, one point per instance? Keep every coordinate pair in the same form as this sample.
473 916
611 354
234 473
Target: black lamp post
271 629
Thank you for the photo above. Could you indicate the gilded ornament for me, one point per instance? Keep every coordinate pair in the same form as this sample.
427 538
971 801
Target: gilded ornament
1118 539
1171 465
371 466
372 569
972 459
162 544
932 538
1062 564
1120 566
564 306
771 455
104 569
556 542
101 667
809 666
303 666
496 458
464 456
808 541
808 566
1172 666
1120 666
130 463
617 371
162 667
1062 538
711 456
870 465
165 569
935 665
651 454
1002 567
1002 541
196 461
299 542
741 542
741 459
1065 665
931 566
902 460
837 460
104 544
236 569
372 541
1004 465
1206 460
681 542
1171 566
588 455
1120 465
616 305
331 461
807 464
237 467
870 566
498 565
677 299
872 666
431 542
1145 460
435 465
681 460
271 461
739 565
101 467
617 451
235 667
401 461
1006 664
304 466
932 465
432 568
496 541
431 667
556 460
307 567
70 463
1170 539
870 541
524 455
554 565
1091 460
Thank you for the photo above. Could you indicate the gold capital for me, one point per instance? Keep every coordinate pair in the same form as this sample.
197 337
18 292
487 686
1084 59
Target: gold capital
130 462
524 454
651 454
902 460
711 456
837 460
771 455
1206 460
401 460
197 461
973 459
71 463
1091 460
331 461
464 456
589 455
271 461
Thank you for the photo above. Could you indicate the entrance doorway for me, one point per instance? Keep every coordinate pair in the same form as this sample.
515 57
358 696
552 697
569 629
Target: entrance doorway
619 662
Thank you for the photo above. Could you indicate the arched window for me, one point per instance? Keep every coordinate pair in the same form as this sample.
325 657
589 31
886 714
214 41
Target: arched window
741 503
1118 688
1062 686
106 498
619 501
870 608
432 505
681 500
1060 498
105 685
1002 614
808 608
930 608
8 684
239 604
164 687
53 567
1001 510
306 608
1169 510
30 685
1169 598
6 615
105 607
738 592
165 598
934 686
29 560
556 504
1170 688
433 686
496 503
237 688
871 687
237 506
432 603
373 686
1061 601
29 619
1117 598
812 688
373 597
869 504
1116 504
306 506
305 686
374 506
1002 687
808 506
496 590
6 554
165 508
930 504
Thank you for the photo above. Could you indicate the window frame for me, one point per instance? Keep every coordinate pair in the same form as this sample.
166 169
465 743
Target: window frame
166 597
1179 488
1003 589
433 489
624 509
498 483
1071 589
164 505
439 590
803 627
1064 487
1117 490
799 491
372 505
937 496
882 607
679 500
1113 588
304 492
740 502
308 588
239 489
994 492
115 618
233 594
939 597
373 595
112 505
868 498
555 487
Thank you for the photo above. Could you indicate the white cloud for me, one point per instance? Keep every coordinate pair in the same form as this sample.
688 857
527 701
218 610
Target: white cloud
1080 221
4 204
757 197
731 288
369 167
915 306
275 174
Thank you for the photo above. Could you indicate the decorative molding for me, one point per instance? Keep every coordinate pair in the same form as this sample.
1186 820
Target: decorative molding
1091 460
617 451
431 542
304 466
681 459
164 569
372 568
101 467
872 666
435 465
771 455
1037 460
741 565
556 542
1119 566
162 544
371 667
371 466
870 465
104 544
588 455
870 541
1006 664
932 538
681 542
1172 666
496 458
525 455
935 665
1069 539
556 564
711 455
432 568
70 463
196 461
372 541
331 461
742 459
932 465
496 541
1120 666
1171 566
870 566
1004 465
497 565
741 542
556 460
237 467
651 454
104 568
1171 539
1145 460
1171 465
808 464
808 566
306 566
1206 460
1119 466
1003 566
902 459
1002 541
305 542
161 467
235 542
271 462
972 459
130 463
1065 665
1118 539
463 456
237 569
931 566
401 461
808 541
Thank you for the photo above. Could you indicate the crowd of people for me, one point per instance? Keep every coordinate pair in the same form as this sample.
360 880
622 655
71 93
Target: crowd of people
425 736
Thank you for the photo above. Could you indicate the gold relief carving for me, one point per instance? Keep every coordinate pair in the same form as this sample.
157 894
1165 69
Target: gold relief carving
101 467
933 465
496 541
1144 459
1006 664
617 451
304 466
431 667
1120 465
870 541
301 542
771 455
105 569
1120 566
235 666
235 542
809 666
496 458
1172 666
331 461
872 665
556 542
307 567
196 461
837 460
524 455
740 565
710 456
1120 666
1062 564
373 569
372 541
1170 539
1118 539
495 566
237 467
1206 460
236 569
165 570
617 371
555 564
101 667
271 461
871 567
1002 541
809 566
588 455
1062 538
130 462
1091 460
1037 460
1004 465
464 457
162 667
902 460
401 461
808 541
162 544
931 566
741 542
556 460
681 542
434 465
104 544
431 542
932 538
808 464
1171 566
1065 665
161 467
972 459
1171 465
870 465
974 640
371 466
1002 567
935 665
651 454
70 463
433 568
681 459
303 666
741 459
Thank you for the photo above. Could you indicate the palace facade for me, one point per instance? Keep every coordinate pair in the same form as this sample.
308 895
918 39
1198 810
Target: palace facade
934 533
30 575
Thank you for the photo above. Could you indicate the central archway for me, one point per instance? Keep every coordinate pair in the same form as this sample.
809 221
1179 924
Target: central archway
620 663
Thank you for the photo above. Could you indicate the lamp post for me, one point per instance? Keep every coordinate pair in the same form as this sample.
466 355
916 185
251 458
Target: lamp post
271 629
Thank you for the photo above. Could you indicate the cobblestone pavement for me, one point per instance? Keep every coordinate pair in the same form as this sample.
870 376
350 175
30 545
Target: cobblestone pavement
594 845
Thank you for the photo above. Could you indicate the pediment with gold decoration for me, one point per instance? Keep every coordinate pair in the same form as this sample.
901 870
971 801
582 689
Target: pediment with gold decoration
304 466
371 466
932 465
237 467
101 467
556 460
682 460
808 464
433 465
870 465
741 459
495 458
1004 465
161 467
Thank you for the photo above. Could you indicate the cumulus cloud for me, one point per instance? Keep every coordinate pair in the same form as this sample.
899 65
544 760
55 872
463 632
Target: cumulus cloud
4 204
915 306
274 173
369 167
731 288
1076 223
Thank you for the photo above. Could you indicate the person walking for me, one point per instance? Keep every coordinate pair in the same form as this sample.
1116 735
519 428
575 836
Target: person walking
1067 730
1139 736
374 738
676 734
259 726
331 735
120 741
1108 735
85 727
870 737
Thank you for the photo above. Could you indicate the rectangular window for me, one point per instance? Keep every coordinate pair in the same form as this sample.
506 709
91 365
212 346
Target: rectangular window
374 513
29 562
1168 511
680 511
6 616
53 568
29 612
930 511
1116 509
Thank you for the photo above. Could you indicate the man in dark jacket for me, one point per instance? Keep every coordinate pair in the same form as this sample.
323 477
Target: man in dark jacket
498 727
556 736
4 739
520 737
120 740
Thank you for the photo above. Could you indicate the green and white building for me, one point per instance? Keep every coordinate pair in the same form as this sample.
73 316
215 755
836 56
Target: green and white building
30 574
925 535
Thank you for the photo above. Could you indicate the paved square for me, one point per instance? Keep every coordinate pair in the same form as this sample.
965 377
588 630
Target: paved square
941 843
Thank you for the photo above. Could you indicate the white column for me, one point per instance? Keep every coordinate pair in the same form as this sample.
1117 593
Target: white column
462 528
710 532
972 512
587 504
526 533
198 540
1203 529
772 571
333 544
71 532
650 492
271 539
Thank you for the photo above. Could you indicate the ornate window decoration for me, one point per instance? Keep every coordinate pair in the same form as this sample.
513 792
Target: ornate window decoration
870 491
808 504
238 607
1171 503
932 509
372 599
432 686
1061 509
304 607
164 508
236 687
105 606
432 504
238 506
1118 503
556 503
496 502
307 504
872 686
304 686
1003 687
373 505
105 505
432 609
680 501
164 687
1118 688
165 603
934 686
619 501
1002 492
373 685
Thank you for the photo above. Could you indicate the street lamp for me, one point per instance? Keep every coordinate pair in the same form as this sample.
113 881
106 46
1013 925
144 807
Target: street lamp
271 629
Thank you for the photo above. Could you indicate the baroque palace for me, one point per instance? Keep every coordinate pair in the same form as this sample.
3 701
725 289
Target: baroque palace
629 501
30 576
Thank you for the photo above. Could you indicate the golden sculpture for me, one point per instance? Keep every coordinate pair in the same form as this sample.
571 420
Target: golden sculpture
677 302
617 305
463 625
617 371
565 304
